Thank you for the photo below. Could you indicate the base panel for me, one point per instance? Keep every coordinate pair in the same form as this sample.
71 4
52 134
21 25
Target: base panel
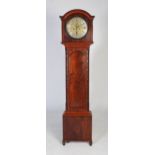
77 126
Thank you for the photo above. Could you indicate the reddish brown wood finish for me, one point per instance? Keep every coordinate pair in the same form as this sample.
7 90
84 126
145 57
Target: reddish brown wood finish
77 126
77 119
77 79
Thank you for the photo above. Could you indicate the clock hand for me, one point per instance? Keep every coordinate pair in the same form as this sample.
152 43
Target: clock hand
76 29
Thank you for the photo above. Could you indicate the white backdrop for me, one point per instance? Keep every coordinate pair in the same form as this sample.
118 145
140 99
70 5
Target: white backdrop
55 59
131 97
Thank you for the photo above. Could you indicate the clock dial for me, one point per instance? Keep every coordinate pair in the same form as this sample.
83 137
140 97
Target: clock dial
77 27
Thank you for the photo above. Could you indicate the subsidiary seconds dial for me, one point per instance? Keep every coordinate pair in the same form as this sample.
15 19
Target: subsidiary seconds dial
76 27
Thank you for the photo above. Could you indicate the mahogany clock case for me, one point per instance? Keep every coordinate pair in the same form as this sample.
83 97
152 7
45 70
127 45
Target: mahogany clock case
77 118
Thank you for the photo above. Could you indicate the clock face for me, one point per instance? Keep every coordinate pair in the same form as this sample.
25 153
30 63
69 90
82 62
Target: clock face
77 27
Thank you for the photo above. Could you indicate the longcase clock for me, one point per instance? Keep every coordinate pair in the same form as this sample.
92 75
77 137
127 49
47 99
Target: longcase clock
77 36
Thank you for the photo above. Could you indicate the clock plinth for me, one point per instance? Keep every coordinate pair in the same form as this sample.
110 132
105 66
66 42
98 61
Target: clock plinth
77 37
77 126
